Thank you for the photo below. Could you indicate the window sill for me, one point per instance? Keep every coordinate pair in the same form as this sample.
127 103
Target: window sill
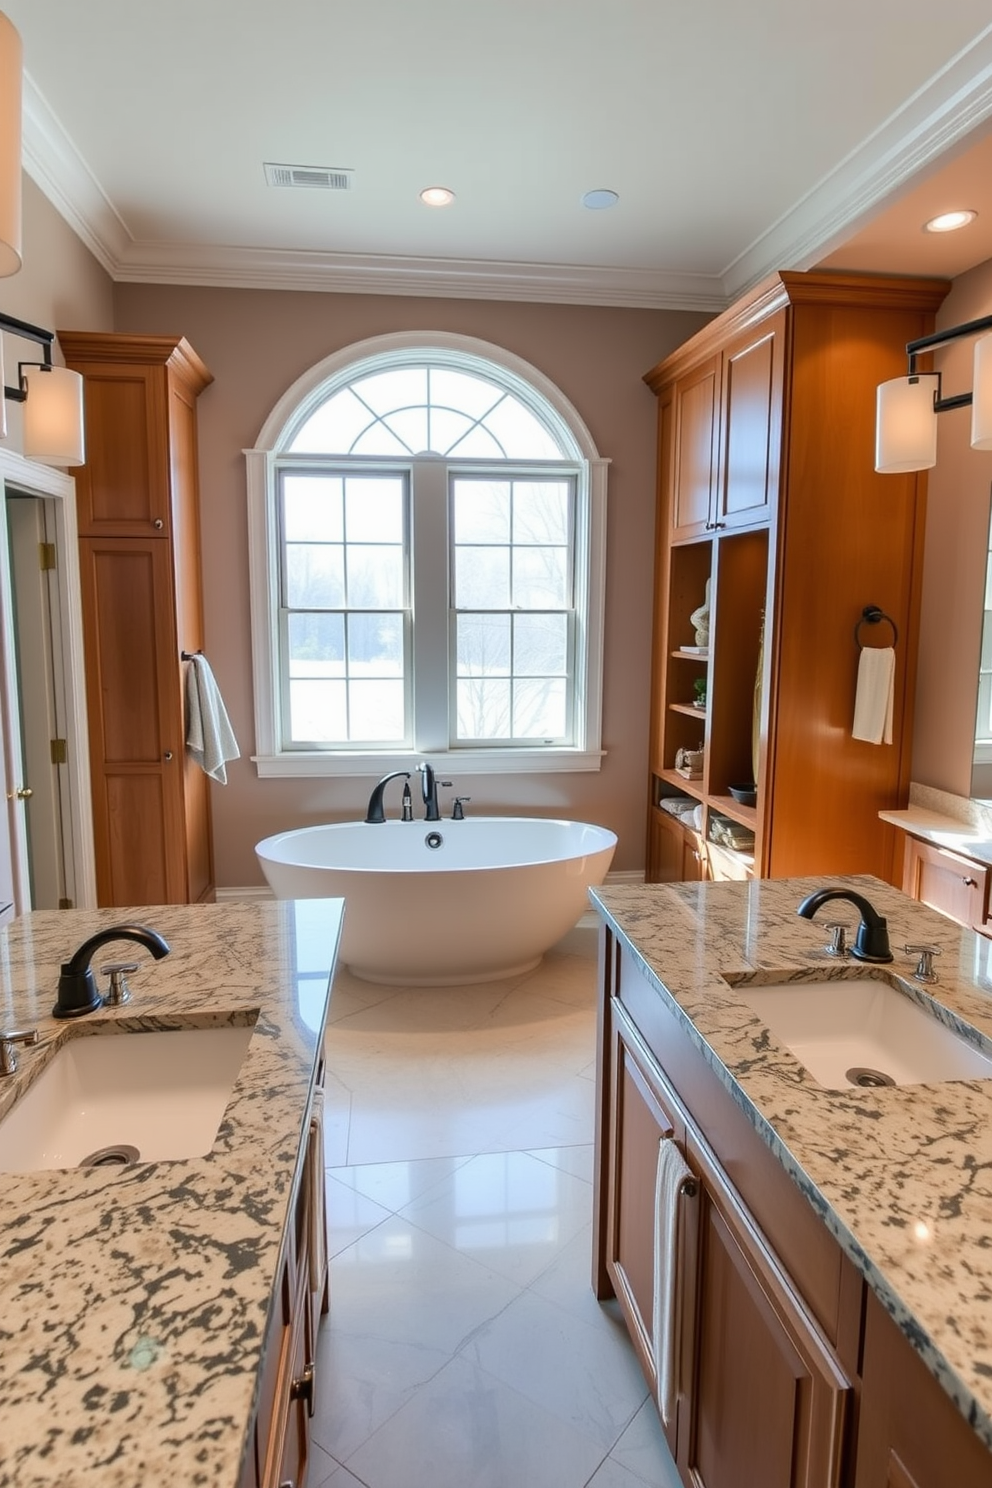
461 763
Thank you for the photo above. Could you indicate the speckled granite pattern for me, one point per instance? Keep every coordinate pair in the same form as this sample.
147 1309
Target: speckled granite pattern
901 1176
133 1301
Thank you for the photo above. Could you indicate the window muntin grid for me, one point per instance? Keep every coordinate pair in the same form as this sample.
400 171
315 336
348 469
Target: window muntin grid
345 619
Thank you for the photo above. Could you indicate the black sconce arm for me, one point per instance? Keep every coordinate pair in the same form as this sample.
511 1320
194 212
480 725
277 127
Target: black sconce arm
27 332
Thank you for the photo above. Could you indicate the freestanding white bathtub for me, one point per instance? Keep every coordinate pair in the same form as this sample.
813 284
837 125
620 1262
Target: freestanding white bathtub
437 903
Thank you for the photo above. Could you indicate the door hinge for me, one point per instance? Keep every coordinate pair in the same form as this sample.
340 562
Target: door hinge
60 753
66 904
46 556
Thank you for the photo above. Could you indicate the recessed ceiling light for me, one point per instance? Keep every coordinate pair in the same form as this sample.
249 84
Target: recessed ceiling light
949 221
437 196
600 199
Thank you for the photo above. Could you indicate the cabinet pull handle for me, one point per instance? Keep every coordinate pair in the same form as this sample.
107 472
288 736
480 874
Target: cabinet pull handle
158 523
970 883
302 1388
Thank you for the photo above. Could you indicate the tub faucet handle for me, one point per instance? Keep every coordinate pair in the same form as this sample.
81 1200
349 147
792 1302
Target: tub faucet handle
458 810
118 992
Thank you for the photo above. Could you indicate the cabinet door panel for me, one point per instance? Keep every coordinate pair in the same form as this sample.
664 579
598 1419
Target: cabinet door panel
123 489
752 412
696 430
641 1118
135 719
767 1392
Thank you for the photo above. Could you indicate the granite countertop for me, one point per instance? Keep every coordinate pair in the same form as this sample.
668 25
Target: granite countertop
971 838
902 1176
133 1301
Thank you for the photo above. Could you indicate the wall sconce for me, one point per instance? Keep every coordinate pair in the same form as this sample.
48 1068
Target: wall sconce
907 407
52 398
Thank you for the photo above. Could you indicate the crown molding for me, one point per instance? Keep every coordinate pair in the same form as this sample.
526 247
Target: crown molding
937 117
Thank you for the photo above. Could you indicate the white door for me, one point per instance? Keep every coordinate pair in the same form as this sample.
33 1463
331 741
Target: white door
46 834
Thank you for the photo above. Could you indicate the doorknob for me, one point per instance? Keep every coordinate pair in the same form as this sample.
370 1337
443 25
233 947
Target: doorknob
22 793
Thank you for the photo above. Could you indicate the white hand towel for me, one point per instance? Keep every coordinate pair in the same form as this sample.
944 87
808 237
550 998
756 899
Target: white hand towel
671 1173
210 739
875 695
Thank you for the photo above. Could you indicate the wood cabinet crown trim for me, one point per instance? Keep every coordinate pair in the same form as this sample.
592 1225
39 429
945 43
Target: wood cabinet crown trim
787 288
173 352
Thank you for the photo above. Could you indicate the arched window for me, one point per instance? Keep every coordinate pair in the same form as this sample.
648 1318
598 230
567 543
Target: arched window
427 519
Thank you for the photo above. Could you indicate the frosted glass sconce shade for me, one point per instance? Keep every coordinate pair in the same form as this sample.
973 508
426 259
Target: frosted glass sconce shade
53 416
906 424
10 148
981 396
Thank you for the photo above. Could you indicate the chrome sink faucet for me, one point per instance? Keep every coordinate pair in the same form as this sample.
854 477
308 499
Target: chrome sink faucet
872 940
78 992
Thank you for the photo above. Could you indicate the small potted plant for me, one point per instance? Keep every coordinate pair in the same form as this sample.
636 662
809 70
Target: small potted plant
699 693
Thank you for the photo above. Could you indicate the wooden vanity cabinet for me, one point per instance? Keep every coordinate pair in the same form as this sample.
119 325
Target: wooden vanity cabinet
766 486
910 1433
278 1450
139 549
768 1309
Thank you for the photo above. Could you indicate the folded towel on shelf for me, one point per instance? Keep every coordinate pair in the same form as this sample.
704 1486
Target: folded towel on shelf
873 702
210 739
671 1173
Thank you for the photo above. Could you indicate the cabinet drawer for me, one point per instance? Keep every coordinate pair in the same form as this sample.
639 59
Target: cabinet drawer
947 881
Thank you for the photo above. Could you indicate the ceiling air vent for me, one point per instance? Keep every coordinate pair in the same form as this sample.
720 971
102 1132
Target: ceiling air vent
323 177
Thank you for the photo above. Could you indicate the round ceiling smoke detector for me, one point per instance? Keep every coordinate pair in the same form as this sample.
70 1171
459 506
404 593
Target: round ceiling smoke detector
600 199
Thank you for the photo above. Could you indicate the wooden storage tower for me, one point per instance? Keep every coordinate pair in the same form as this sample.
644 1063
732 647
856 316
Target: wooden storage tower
139 548
767 487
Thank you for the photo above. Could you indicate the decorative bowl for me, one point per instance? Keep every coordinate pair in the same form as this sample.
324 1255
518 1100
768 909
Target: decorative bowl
747 795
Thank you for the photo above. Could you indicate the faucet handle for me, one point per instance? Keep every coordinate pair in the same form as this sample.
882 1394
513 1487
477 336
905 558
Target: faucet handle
838 942
458 810
8 1055
119 991
924 967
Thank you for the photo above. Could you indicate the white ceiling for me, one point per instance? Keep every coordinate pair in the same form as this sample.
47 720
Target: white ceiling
741 138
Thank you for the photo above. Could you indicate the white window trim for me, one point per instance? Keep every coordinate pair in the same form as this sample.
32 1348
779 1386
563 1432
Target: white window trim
292 409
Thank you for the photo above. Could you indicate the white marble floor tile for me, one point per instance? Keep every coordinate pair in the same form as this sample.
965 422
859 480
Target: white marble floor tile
642 1450
567 1282
363 1380
585 1375
395 1184
576 1160
342 1478
350 1215
468 1430
507 1210
400 1284
610 1474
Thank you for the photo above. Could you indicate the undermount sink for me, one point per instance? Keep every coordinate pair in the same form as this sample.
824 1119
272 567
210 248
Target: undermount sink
863 1031
110 1098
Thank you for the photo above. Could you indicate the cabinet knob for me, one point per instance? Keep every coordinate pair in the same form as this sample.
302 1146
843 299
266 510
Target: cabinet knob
167 755
158 523
302 1388
970 883
23 793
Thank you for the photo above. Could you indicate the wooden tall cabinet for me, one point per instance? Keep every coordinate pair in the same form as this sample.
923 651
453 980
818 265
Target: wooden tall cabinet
767 489
139 547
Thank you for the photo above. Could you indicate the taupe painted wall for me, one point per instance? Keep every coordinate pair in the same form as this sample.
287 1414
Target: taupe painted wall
257 343
954 566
